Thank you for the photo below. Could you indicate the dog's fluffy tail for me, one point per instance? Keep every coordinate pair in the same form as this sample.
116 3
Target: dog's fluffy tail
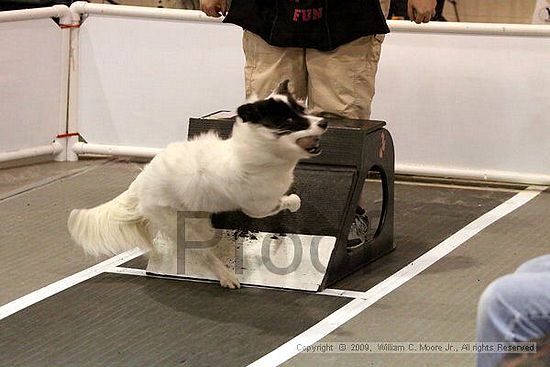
110 228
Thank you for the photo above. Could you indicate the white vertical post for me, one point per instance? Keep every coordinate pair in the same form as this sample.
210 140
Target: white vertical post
65 22
73 95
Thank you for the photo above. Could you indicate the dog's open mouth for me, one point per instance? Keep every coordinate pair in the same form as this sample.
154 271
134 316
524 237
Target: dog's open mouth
310 144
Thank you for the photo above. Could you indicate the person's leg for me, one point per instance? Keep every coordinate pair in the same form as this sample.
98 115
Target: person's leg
342 81
385 5
267 66
514 308
537 265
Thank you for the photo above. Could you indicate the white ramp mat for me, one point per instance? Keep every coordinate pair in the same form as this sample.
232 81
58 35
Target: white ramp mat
291 261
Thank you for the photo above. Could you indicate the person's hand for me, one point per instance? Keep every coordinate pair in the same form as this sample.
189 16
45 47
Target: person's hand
214 8
421 11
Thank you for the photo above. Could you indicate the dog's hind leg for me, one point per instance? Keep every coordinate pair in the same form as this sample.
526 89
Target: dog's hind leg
163 229
199 233
226 277
204 237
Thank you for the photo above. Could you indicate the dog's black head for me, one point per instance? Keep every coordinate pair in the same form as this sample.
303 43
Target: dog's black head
285 119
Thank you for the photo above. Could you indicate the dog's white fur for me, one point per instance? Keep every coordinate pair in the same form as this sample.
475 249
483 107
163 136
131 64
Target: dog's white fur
251 171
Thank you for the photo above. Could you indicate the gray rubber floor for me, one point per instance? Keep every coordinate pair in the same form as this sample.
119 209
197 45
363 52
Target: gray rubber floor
122 320
425 215
440 303
35 248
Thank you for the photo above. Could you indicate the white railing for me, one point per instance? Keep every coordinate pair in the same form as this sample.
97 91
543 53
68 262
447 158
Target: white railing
82 7
57 11
52 149
474 175
115 150
494 29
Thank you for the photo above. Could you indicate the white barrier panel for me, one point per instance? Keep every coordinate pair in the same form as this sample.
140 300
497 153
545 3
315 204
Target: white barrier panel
462 100
472 106
141 79
33 85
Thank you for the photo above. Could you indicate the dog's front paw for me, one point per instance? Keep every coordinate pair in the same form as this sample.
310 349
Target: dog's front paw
293 202
230 281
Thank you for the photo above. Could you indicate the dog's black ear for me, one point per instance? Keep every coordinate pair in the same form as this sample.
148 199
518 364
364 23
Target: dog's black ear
283 88
249 112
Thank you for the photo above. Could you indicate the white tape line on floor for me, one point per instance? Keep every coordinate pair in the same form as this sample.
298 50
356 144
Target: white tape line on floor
139 272
352 309
51 289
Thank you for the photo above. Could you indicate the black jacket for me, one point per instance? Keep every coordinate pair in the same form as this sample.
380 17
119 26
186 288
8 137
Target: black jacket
319 24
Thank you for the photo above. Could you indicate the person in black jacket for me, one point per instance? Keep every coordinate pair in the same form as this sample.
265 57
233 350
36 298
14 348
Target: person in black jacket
301 40
328 49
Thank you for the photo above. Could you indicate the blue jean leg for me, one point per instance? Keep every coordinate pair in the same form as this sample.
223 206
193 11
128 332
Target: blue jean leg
539 264
515 308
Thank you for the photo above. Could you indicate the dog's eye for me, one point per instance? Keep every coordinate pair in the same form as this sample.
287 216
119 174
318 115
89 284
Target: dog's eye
289 120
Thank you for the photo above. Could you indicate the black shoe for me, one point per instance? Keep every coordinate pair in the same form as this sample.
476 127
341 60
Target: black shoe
357 236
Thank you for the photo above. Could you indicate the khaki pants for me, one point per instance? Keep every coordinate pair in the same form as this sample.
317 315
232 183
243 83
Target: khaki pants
339 81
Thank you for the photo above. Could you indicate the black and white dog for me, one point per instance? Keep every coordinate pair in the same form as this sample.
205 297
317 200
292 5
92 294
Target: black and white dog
251 171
